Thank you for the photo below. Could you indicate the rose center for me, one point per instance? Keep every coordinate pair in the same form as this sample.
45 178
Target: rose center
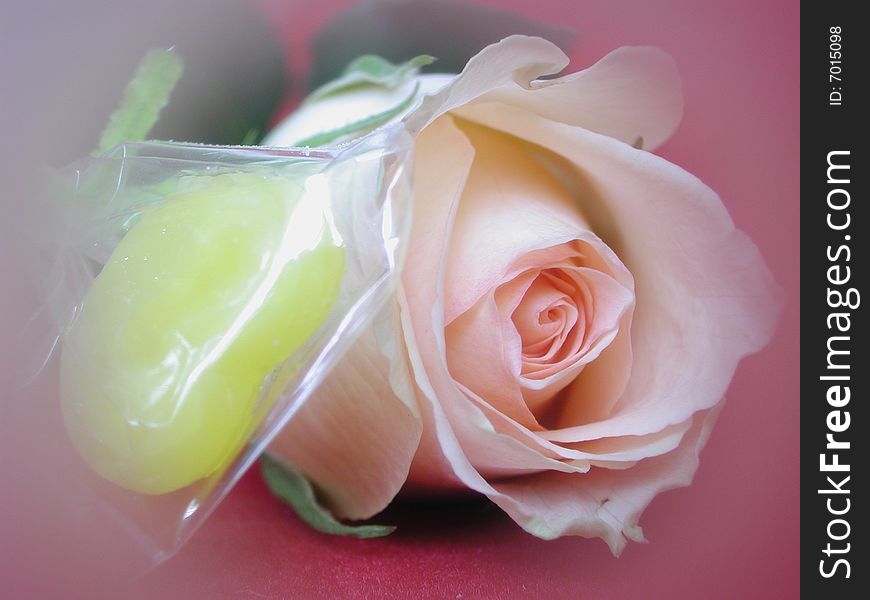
551 319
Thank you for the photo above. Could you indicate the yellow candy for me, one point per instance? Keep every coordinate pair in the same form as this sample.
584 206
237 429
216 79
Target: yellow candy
206 294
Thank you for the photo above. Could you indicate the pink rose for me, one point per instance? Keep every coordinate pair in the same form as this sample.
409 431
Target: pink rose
571 309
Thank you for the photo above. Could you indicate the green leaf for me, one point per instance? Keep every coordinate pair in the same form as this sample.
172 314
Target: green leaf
367 123
371 70
295 490
144 97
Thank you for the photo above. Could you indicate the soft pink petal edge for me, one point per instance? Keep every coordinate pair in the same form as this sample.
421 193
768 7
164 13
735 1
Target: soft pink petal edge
602 503
633 92
354 439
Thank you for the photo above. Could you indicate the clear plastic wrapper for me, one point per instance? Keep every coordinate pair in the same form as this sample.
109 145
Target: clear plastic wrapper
197 296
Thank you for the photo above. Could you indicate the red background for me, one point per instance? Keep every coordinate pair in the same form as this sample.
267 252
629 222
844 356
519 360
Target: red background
734 533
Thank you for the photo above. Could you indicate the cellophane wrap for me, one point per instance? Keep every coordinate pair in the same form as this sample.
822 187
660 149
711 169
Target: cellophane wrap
193 298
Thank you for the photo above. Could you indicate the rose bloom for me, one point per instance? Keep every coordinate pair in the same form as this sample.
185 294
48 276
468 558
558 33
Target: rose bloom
571 307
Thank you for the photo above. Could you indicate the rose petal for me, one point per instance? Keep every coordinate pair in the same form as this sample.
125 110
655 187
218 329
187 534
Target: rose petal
449 411
614 452
632 93
486 335
513 211
517 58
602 301
602 503
484 355
511 206
438 180
449 415
704 296
358 453
605 378
553 504
544 316
592 396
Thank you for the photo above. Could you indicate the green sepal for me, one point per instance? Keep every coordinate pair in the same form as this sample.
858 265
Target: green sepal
371 70
296 490
144 97
325 137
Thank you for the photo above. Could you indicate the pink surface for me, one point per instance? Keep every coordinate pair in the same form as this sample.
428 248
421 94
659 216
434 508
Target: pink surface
735 531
